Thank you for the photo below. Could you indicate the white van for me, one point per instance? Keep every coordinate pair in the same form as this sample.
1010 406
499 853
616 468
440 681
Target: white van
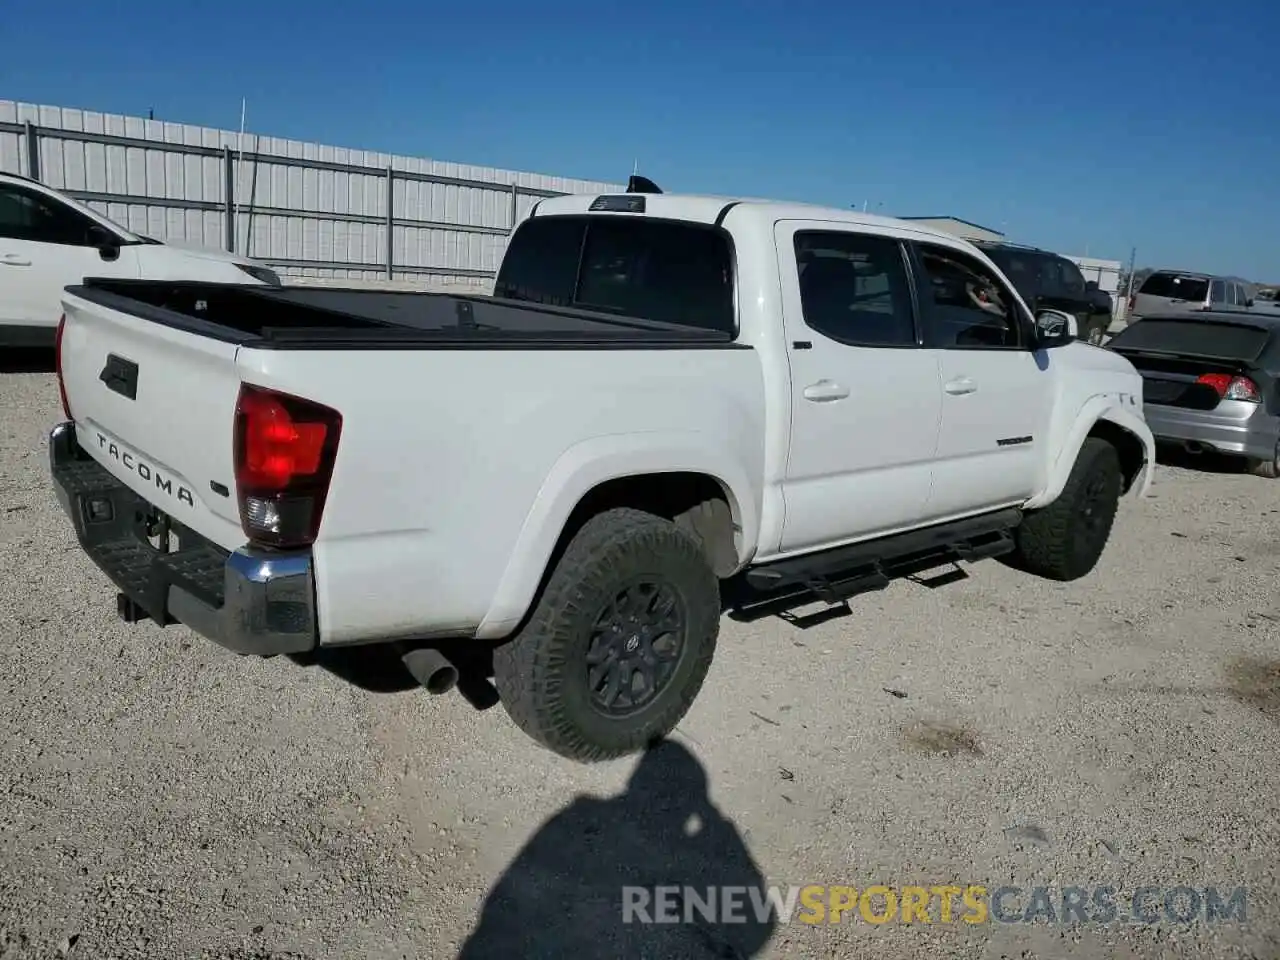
49 241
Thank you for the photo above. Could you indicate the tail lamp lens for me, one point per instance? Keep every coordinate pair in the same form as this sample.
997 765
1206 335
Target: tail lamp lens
285 448
1230 387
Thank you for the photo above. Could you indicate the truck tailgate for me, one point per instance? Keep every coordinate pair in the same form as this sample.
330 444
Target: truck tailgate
155 406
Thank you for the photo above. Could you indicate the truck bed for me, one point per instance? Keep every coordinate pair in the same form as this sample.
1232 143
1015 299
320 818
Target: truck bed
354 319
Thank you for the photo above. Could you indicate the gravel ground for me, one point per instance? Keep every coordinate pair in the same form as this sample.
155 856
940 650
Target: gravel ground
162 798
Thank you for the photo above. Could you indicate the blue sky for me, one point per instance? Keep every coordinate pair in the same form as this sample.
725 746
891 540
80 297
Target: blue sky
1087 128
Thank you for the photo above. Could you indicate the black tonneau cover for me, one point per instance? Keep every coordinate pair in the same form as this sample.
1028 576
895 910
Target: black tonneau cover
350 318
1230 341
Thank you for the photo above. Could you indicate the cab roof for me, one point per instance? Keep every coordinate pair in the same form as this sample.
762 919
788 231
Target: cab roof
711 209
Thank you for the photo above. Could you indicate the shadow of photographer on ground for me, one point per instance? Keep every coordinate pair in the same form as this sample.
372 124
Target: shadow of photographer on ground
563 896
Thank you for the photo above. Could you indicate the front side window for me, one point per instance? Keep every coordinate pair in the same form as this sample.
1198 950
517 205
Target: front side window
854 288
1217 292
649 269
967 305
31 215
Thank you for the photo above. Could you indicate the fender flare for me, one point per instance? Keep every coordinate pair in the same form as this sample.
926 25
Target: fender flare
582 468
1112 409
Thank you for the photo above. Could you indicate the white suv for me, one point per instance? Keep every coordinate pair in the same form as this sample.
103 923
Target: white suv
48 241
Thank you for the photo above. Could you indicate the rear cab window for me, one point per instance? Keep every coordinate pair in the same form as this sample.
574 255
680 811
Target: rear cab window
673 272
1176 286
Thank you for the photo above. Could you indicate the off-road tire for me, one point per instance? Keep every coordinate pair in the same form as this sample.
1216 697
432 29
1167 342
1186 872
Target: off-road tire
1064 540
541 674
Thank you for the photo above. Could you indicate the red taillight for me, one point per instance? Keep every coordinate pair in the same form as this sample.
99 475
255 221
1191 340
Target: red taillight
57 361
285 449
1228 387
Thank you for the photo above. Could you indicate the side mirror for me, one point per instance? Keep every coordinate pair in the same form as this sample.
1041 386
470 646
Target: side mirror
1248 303
108 244
1055 328
1091 286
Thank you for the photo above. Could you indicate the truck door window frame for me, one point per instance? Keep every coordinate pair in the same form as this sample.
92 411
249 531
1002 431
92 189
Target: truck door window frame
1019 321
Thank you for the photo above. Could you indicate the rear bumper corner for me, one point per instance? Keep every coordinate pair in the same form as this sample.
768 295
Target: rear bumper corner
249 601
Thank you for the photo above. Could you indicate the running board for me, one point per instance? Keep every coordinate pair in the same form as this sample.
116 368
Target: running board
834 576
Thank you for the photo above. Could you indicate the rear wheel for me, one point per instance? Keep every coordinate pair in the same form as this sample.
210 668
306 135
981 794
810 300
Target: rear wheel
1266 468
619 643
1064 540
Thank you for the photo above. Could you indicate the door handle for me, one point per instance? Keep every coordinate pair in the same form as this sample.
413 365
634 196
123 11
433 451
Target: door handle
960 385
13 260
824 391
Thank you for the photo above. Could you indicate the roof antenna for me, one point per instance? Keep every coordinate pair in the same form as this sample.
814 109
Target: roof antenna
639 184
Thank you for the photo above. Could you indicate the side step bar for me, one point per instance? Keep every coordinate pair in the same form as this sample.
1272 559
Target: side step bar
833 576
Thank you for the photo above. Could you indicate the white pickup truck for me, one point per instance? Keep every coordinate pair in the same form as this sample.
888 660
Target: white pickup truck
49 241
672 408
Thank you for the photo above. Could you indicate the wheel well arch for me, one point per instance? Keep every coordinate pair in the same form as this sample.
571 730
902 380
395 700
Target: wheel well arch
1129 448
698 502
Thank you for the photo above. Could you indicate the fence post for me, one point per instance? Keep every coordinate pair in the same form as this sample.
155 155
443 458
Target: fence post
228 200
33 150
515 203
391 221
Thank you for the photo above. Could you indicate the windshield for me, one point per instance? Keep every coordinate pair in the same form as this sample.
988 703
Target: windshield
1176 286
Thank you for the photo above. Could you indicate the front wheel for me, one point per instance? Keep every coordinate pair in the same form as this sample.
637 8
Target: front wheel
619 643
1065 540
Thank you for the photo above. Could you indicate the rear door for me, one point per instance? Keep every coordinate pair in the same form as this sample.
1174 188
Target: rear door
155 405
866 398
996 390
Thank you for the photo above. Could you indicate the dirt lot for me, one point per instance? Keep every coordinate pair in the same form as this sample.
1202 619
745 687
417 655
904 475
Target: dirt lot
162 798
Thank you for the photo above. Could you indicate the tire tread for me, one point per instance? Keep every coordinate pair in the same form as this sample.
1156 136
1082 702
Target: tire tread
529 668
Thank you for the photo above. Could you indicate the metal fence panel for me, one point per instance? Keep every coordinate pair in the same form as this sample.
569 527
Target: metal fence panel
314 210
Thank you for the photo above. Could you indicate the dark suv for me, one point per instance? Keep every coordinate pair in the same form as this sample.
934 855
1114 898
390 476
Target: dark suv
1049 280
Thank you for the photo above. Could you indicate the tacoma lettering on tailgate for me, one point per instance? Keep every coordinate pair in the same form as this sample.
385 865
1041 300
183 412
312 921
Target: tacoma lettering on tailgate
147 472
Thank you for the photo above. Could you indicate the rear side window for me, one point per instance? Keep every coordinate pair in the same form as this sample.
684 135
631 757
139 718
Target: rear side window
1072 278
1023 270
854 288
650 269
1176 287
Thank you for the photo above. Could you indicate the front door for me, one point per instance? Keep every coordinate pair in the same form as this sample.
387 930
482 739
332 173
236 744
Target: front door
46 246
996 390
865 395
